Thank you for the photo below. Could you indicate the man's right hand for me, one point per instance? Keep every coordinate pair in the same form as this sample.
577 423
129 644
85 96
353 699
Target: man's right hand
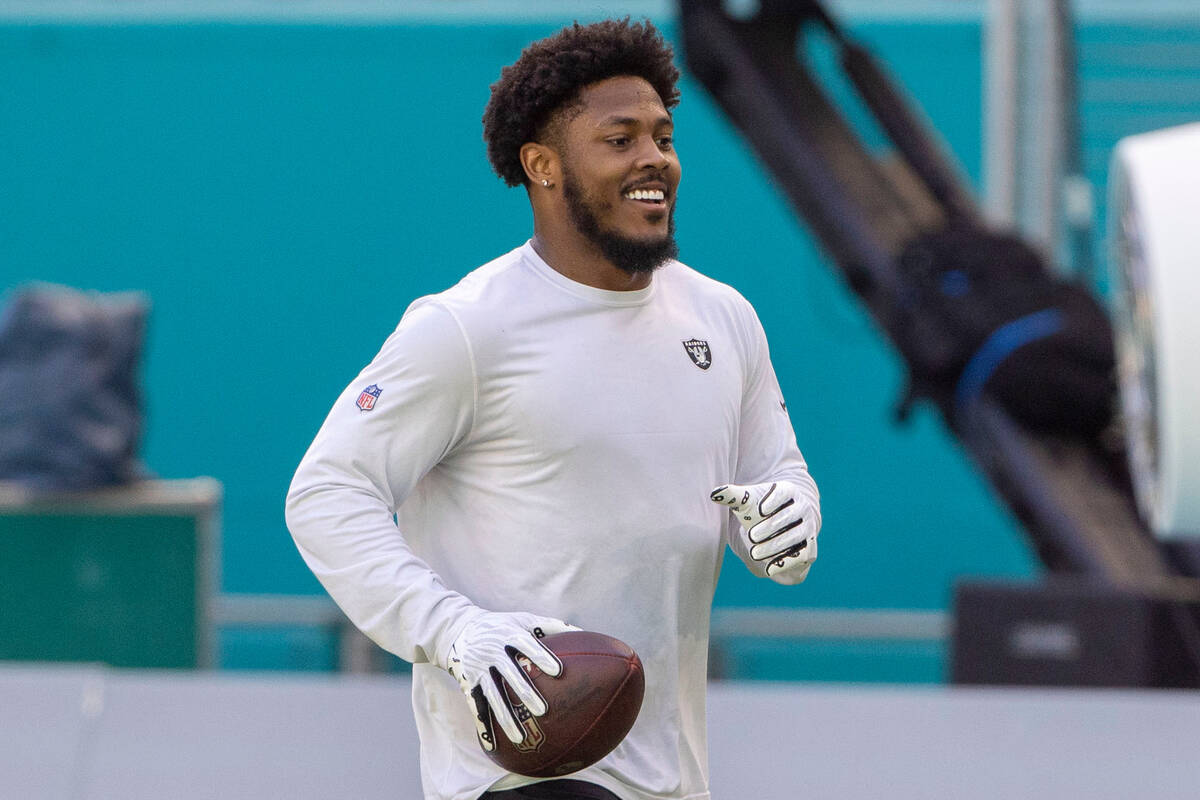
486 648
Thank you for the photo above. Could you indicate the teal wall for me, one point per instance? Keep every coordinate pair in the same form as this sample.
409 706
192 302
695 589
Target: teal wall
282 191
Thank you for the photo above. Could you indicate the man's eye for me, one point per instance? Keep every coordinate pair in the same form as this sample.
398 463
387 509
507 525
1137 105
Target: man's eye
666 142
619 141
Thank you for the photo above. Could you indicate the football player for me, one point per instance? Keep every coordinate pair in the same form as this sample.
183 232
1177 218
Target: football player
562 436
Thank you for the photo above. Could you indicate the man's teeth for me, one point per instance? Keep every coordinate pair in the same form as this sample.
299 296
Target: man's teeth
646 194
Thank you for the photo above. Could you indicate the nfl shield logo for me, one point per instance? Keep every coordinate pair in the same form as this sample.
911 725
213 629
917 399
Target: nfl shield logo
366 400
698 351
535 737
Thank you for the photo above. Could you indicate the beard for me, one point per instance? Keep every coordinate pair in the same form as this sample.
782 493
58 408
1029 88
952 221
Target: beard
634 256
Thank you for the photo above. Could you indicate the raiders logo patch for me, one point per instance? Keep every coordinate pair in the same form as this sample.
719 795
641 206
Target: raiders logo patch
699 352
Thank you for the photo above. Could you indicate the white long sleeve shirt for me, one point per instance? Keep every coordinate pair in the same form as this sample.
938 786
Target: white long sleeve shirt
548 446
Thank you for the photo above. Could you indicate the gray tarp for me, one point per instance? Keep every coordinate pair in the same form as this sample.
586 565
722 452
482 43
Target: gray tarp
70 403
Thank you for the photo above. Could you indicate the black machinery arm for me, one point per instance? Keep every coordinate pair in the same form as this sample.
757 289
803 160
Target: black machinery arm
1068 487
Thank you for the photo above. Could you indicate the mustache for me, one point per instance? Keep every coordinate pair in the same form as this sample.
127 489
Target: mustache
646 181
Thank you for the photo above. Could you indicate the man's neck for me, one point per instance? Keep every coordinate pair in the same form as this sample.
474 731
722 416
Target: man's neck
580 260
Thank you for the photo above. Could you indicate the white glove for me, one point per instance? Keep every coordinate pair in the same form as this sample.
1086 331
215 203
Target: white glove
489 647
782 524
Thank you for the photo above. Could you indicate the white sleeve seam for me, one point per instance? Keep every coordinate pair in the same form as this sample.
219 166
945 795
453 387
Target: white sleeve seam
474 372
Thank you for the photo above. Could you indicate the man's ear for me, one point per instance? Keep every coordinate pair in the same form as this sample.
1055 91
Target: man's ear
541 164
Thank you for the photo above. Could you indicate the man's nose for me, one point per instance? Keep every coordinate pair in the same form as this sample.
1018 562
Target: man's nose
650 155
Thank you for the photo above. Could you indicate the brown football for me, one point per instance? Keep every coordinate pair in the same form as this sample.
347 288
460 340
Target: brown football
591 706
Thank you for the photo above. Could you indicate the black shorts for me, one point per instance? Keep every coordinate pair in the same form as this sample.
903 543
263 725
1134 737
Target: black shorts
562 789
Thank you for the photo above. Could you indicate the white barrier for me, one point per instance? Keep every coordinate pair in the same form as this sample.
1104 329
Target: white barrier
87 733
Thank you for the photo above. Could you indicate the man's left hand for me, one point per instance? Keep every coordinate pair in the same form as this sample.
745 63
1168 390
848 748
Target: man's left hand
781 522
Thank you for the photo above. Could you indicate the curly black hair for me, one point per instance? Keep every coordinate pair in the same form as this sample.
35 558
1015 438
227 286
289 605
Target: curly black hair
550 73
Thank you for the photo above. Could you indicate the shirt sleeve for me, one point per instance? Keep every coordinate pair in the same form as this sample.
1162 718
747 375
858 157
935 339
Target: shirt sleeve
402 414
767 449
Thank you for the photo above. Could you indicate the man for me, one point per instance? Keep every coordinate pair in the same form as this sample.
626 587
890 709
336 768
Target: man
548 433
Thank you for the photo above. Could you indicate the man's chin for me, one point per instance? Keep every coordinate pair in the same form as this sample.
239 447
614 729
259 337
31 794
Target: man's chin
648 241
640 246
646 234
639 255
649 224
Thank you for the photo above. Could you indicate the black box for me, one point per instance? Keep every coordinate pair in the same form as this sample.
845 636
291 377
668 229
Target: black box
1072 632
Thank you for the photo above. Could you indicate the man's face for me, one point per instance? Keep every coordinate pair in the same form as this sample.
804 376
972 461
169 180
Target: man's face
620 173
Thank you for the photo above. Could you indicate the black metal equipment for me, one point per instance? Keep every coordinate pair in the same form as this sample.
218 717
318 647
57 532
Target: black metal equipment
1018 361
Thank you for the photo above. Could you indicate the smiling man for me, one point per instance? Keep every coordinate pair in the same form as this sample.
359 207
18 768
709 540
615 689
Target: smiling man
611 150
561 436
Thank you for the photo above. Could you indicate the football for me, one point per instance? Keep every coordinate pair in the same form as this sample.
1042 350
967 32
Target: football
590 706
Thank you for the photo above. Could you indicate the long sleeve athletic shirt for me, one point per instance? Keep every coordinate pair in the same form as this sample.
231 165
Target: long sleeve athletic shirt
523 442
